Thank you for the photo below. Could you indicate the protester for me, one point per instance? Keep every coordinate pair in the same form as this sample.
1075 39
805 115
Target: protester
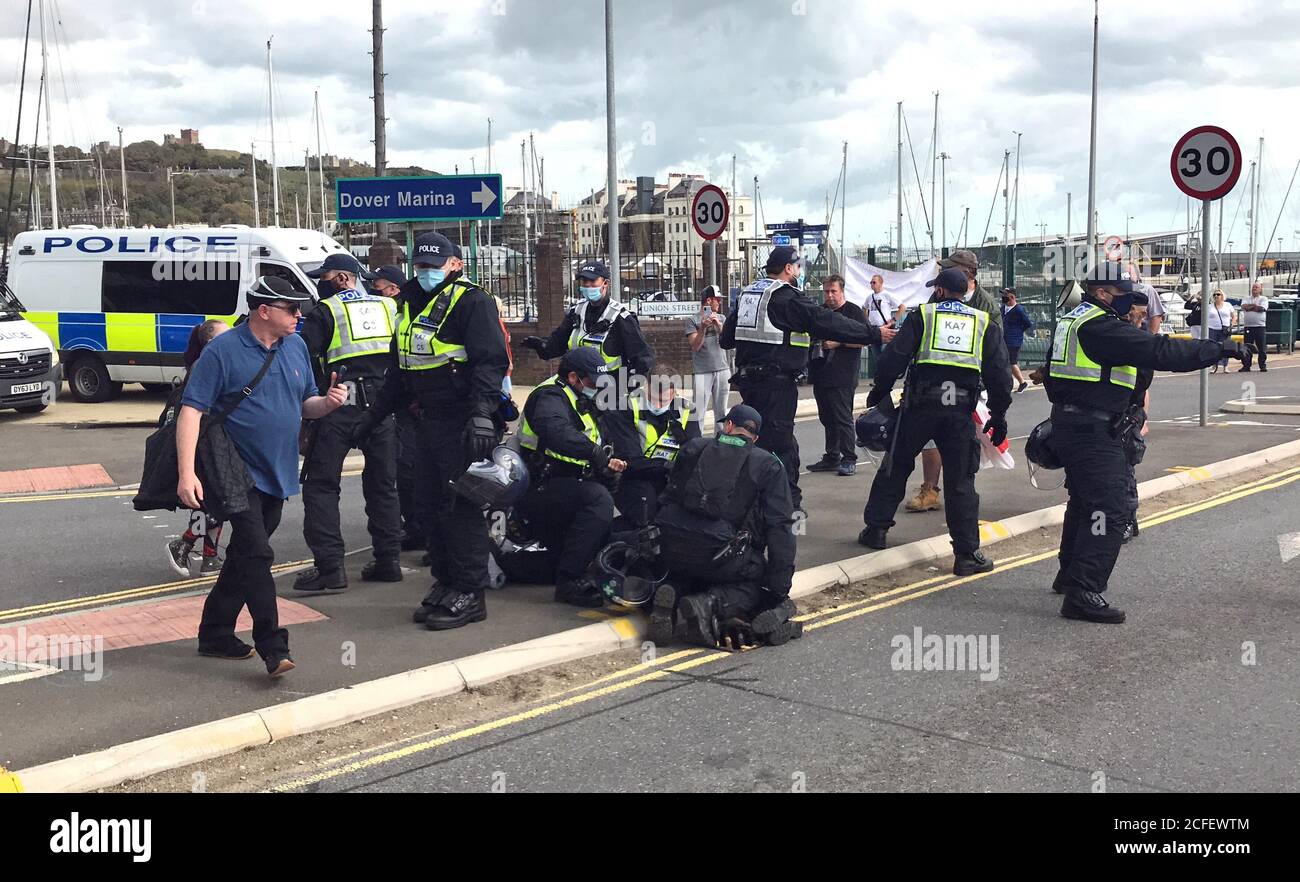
1155 310
1015 324
1218 319
712 374
834 381
1254 316
881 310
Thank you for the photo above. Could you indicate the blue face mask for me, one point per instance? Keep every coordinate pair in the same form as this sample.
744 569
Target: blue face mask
589 391
592 294
430 278
1122 304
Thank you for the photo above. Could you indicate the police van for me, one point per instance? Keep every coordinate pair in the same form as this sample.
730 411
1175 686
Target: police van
29 364
119 305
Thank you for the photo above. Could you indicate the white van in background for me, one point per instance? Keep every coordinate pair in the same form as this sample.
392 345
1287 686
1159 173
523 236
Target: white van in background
119 305
29 364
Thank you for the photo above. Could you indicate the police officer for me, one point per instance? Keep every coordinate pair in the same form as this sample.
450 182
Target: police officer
349 333
647 435
951 347
771 327
567 506
449 357
726 535
1097 377
601 323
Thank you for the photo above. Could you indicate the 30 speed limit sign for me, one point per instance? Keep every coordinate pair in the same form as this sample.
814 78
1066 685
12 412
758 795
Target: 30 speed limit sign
709 212
1206 163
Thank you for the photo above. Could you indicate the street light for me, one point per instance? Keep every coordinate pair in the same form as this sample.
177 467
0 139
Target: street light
172 187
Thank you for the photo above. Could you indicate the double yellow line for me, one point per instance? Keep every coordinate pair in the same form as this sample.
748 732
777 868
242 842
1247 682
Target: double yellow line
653 670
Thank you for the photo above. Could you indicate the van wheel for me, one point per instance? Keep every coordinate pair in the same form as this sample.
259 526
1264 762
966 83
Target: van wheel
89 382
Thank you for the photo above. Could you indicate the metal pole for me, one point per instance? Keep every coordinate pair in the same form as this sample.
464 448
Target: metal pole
275 171
473 251
966 227
611 150
1069 264
1006 207
377 75
1015 191
934 150
488 170
844 206
49 127
731 252
943 189
320 171
898 255
1254 211
306 164
257 205
410 250
713 263
103 212
171 186
523 219
1206 303
297 212
121 156
1092 145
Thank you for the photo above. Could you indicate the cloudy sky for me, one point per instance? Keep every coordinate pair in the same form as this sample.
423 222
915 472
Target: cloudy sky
778 83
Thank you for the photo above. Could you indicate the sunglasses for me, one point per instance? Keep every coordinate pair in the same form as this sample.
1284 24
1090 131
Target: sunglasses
292 310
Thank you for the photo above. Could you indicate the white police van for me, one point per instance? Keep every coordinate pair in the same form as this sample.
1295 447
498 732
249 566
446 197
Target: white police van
29 363
119 305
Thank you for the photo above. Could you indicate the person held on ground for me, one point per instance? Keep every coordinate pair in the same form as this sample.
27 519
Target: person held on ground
1098 374
1218 321
1254 318
952 348
726 534
264 429
927 496
449 358
712 373
1015 324
180 549
647 435
352 331
771 327
567 506
835 381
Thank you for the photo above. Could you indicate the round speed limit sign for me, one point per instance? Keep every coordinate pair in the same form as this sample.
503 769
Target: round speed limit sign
1206 163
709 212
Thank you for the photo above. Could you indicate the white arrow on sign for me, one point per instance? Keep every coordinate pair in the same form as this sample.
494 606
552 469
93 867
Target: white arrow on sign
484 198
1289 545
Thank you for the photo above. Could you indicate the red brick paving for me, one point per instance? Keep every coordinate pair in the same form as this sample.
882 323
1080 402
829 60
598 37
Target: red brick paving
143 624
56 478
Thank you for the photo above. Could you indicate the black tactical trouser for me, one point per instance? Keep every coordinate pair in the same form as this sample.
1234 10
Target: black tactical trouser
571 516
953 431
637 498
776 399
737 584
835 411
457 531
1256 341
1096 474
408 446
320 492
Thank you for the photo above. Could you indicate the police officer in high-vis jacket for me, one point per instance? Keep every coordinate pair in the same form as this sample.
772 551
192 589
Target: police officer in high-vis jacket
1097 377
771 328
648 434
449 357
349 333
601 323
950 347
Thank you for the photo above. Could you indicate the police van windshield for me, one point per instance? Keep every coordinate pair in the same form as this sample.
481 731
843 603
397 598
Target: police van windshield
11 308
284 272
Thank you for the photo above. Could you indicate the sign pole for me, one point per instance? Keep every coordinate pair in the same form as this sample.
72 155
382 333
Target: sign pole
410 250
713 263
473 251
1206 300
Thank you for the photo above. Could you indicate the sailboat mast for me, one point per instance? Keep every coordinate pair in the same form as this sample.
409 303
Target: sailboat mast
306 164
898 255
320 168
49 127
257 206
275 170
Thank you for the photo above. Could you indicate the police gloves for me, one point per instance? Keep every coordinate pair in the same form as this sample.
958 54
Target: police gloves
537 344
876 395
1233 349
996 428
480 436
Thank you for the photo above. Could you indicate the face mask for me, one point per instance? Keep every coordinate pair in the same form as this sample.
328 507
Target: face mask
325 289
1122 304
660 411
592 294
430 278
589 391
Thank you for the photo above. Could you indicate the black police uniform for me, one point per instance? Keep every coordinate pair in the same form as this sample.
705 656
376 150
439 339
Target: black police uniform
1096 461
332 441
608 327
938 403
770 328
630 431
744 490
467 387
567 507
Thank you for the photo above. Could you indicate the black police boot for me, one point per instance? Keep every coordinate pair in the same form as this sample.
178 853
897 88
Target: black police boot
382 571
697 620
970 564
826 464
1057 586
580 592
1131 532
431 600
1088 606
456 610
776 626
873 537
314 581
662 610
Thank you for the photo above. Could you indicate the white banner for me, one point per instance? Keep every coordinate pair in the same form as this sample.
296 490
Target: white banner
907 288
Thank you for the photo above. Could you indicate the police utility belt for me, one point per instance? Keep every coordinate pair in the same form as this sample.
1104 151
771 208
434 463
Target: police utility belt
938 395
758 373
1118 425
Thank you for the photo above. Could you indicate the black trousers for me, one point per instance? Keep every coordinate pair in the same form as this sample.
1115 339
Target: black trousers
457 531
1255 340
737 584
953 432
407 453
637 498
246 580
835 411
1096 476
775 399
321 526
572 518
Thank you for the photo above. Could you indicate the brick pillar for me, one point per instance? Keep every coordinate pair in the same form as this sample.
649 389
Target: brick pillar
550 277
386 252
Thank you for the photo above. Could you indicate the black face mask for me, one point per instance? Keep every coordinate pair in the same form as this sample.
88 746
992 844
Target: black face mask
325 289
1122 304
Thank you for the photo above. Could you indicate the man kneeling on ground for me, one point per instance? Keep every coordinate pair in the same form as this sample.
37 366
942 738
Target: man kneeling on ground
726 534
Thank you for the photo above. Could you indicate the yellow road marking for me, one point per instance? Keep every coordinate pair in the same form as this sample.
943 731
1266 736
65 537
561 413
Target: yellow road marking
53 496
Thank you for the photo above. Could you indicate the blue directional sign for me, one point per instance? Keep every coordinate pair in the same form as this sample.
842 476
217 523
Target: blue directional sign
780 240
406 200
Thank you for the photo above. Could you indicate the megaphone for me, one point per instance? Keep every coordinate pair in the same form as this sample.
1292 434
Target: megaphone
1071 296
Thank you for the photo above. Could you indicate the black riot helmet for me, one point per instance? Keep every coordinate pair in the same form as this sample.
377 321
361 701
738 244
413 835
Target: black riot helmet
875 429
1039 454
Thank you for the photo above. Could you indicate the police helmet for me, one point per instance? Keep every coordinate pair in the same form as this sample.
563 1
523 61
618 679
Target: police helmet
875 428
1038 448
629 575
497 483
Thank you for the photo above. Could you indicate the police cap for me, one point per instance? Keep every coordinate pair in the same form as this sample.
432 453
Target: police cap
434 249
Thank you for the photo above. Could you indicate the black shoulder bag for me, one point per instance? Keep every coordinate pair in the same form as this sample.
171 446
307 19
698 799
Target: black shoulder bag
216 462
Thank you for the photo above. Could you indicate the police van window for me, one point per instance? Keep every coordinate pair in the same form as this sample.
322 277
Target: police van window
195 288
278 269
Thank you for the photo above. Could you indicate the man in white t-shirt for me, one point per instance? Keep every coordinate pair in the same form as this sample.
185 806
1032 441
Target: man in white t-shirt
881 309
1254 318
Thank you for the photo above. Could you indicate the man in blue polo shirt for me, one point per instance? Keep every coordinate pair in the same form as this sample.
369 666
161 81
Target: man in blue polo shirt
264 429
